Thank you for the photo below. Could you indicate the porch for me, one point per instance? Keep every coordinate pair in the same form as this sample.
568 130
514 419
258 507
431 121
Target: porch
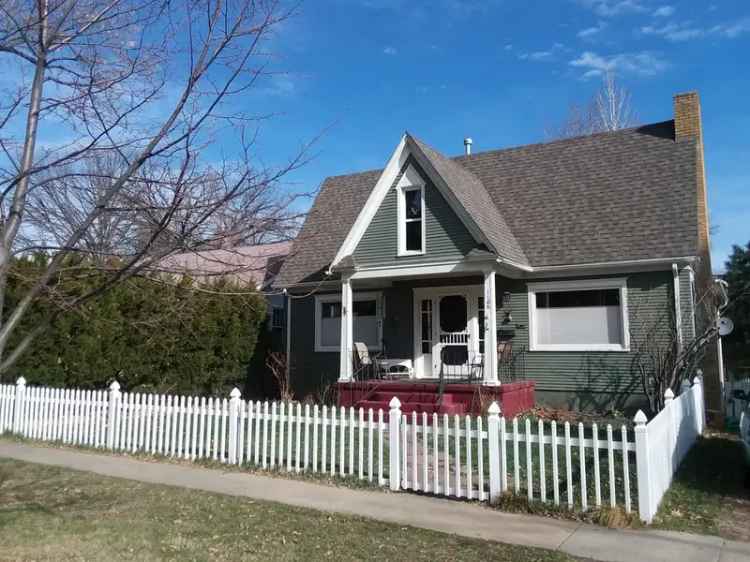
440 343
420 327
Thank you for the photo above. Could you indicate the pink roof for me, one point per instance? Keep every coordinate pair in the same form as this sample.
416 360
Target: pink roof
256 264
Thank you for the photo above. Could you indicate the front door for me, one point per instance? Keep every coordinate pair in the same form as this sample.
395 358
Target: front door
450 353
446 331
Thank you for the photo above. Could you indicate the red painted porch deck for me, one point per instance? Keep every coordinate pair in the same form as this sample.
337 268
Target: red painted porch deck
421 396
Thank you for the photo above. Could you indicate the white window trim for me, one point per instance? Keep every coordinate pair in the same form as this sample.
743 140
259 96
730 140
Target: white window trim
407 183
580 285
320 299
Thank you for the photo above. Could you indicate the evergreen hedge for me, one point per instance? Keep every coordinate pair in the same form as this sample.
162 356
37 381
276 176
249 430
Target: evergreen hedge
150 335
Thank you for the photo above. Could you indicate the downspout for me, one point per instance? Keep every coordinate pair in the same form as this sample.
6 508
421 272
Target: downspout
677 308
288 334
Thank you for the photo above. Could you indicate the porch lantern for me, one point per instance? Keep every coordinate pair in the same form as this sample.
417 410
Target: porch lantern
506 299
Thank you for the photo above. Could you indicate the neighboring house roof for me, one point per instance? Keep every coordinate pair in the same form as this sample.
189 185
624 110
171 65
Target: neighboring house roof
245 264
615 196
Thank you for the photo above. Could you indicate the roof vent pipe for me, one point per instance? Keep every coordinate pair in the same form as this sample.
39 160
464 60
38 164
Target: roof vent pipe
467 145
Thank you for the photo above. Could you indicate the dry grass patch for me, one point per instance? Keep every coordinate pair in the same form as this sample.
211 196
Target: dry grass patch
709 494
50 513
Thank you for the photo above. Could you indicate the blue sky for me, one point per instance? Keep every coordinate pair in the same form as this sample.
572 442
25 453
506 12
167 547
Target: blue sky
502 71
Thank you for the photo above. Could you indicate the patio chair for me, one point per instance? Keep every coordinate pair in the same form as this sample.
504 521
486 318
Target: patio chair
365 364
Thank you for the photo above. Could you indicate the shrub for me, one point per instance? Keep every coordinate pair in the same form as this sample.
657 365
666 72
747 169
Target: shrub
149 334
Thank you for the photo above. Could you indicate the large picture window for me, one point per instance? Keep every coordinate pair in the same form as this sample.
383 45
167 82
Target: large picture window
367 316
579 316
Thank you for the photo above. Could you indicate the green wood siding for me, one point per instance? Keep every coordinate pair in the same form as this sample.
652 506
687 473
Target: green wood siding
309 370
588 373
446 236
594 380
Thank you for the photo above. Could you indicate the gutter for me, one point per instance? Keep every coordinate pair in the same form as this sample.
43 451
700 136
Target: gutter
594 265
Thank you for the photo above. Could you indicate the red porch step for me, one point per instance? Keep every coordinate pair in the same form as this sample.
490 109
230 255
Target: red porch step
422 396
414 402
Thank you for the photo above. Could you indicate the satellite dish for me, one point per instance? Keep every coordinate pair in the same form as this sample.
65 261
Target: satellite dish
725 326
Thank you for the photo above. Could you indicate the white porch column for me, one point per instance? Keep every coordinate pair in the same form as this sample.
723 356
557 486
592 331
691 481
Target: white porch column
347 331
490 330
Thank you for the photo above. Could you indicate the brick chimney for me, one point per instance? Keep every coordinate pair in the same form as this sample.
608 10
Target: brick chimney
687 117
688 128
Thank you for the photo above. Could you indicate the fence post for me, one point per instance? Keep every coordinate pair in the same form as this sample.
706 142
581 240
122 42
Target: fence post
672 430
493 424
643 468
234 403
394 449
700 402
18 405
112 404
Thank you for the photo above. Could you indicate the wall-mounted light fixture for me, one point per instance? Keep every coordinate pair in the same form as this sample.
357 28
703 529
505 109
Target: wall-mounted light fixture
506 299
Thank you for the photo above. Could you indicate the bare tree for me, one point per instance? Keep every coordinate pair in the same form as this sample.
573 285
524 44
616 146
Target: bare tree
609 109
665 361
277 363
105 139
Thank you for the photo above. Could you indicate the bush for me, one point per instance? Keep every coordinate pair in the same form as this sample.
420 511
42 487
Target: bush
148 334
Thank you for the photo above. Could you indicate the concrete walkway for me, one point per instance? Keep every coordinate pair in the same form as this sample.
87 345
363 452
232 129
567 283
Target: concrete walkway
465 519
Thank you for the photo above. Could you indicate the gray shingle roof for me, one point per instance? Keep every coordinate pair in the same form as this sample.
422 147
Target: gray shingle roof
478 203
331 217
629 194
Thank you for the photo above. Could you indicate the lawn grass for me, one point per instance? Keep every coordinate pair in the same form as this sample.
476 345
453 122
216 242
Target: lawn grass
708 494
51 513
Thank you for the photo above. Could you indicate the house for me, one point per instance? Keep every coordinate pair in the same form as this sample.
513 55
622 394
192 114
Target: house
255 265
567 254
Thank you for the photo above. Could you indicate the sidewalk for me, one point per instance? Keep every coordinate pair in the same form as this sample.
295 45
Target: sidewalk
455 517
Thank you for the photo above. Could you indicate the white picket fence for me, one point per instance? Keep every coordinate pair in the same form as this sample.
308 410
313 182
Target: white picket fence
541 460
458 456
662 444
282 435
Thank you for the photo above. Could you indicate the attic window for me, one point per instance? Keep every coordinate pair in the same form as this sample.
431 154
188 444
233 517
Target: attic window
411 220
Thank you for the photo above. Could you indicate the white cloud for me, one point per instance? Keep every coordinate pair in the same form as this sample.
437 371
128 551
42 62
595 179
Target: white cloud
547 55
675 31
664 12
643 63
612 8
684 31
538 56
390 50
591 32
509 47
733 30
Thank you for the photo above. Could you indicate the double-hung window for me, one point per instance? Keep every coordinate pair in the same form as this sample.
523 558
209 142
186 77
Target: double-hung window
590 315
411 238
367 321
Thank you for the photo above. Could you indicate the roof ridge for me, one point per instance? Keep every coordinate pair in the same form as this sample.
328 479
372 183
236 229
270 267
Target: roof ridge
559 141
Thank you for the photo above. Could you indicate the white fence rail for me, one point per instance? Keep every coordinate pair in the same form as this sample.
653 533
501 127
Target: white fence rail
459 456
